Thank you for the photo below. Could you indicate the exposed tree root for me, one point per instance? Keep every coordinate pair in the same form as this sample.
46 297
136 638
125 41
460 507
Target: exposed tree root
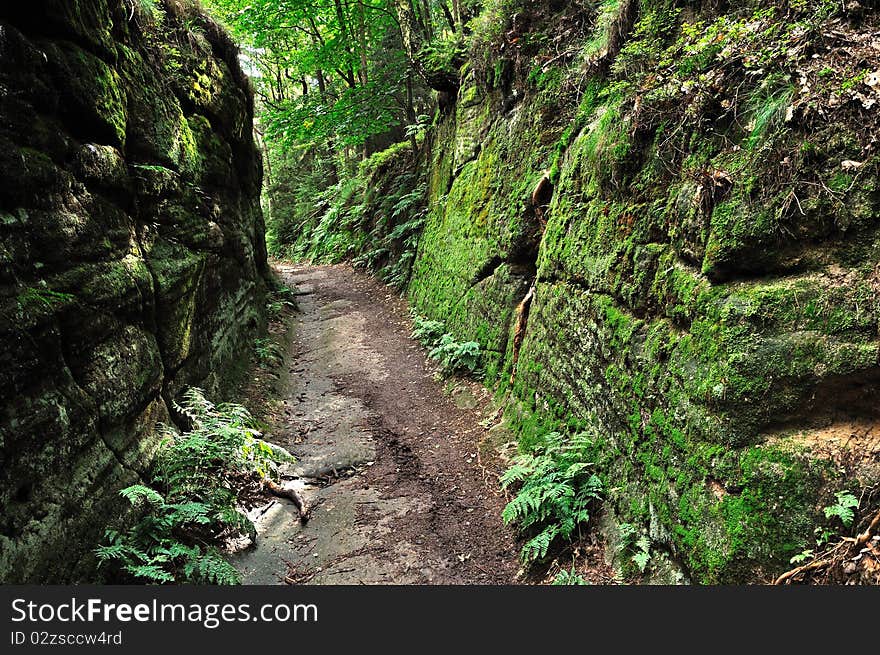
852 560
811 566
291 494
865 537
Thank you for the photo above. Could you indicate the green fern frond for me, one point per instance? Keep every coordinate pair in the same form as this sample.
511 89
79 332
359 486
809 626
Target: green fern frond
536 548
212 568
138 493
150 573
111 552
568 578
555 495
192 498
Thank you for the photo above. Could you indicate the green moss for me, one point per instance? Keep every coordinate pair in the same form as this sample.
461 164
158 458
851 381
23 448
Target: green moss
696 283
93 93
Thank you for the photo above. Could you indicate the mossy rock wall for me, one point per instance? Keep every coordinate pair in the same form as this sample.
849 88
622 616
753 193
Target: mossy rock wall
132 255
705 274
477 256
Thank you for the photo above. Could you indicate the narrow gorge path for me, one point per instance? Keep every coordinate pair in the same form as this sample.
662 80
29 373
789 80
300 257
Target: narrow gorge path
387 456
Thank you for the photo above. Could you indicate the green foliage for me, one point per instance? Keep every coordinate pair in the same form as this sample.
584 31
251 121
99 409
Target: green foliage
190 506
443 55
454 356
34 299
146 13
803 556
138 493
557 492
427 332
489 24
636 547
268 352
768 109
569 578
643 554
334 82
334 72
844 507
279 299
407 215
382 158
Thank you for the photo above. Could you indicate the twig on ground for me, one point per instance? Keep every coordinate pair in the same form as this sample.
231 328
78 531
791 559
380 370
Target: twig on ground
290 494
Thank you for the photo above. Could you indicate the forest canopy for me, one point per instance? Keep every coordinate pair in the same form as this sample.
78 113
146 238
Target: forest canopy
337 81
345 71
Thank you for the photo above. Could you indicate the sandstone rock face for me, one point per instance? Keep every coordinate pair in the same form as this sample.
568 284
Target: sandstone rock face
704 301
132 255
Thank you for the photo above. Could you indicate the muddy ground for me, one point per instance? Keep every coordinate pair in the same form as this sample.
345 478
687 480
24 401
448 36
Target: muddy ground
388 455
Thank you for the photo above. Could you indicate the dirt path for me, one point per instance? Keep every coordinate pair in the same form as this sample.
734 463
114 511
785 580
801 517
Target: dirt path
388 460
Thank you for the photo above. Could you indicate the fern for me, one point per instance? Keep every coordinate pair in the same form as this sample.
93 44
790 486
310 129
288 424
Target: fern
556 493
641 559
454 356
191 503
191 512
844 508
536 548
568 578
427 332
637 547
150 573
112 552
137 493
212 568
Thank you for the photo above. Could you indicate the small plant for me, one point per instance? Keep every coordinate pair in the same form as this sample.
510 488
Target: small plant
280 298
823 535
268 352
643 553
418 129
556 495
454 356
568 578
844 508
637 547
38 299
189 505
443 56
426 332
803 556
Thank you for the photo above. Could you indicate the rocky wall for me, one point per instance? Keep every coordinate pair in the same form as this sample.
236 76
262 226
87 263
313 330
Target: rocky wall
132 255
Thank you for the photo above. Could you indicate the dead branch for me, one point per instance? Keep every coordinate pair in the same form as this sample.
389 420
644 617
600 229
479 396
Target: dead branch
816 564
290 494
865 537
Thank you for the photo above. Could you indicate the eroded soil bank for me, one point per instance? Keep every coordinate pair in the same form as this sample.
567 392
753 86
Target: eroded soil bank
388 457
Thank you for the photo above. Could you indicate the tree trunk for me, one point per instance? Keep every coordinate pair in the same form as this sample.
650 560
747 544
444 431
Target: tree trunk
362 44
427 21
346 31
409 28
